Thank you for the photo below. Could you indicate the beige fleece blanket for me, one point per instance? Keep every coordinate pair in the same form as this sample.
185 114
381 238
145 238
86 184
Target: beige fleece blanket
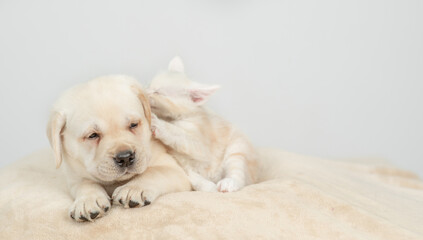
300 198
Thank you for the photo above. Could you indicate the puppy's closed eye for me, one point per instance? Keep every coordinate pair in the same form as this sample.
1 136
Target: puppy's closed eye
93 136
133 125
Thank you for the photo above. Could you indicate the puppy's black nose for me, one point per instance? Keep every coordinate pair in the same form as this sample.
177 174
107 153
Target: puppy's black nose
124 158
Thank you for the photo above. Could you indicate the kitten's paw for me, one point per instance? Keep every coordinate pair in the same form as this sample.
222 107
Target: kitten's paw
206 186
228 185
155 125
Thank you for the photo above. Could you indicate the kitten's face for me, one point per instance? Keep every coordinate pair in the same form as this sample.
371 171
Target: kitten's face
173 95
171 103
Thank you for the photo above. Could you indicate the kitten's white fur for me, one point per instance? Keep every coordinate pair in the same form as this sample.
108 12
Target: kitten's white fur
215 155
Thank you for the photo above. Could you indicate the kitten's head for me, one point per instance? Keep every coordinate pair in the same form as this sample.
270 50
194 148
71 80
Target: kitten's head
173 95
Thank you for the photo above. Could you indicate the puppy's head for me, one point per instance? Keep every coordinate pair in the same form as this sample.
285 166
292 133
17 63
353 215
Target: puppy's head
173 95
102 129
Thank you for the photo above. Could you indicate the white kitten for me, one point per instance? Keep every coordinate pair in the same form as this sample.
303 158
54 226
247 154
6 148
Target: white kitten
209 148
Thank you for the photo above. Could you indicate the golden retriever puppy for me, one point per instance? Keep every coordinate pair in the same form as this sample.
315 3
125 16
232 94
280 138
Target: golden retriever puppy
215 155
100 131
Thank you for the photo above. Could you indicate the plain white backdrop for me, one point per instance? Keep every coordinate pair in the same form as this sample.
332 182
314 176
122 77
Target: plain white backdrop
334 79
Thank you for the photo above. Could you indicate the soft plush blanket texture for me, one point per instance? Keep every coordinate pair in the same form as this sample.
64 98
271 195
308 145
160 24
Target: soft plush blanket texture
299 197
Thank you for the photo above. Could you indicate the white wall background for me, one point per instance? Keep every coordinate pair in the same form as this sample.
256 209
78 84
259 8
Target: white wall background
324 78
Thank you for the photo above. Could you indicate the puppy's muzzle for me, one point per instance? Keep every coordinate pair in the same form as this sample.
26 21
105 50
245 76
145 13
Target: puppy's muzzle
125 158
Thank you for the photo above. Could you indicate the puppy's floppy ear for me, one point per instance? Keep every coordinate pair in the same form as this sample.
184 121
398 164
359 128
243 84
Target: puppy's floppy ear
144 101
176 65
55 128
200 95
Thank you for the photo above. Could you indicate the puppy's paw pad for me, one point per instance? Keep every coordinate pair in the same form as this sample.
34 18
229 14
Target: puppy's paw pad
131 196
89 208
228 185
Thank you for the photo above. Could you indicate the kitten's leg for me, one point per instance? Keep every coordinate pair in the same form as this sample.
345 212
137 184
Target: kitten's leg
199 183
235 179
178 139
236 172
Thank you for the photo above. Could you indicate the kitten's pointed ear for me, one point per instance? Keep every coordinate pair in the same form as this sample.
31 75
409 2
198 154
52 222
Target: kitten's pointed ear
176 65
200 95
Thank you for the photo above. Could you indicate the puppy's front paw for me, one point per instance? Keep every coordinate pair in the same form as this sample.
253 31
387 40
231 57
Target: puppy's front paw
131 196
88 208
228 185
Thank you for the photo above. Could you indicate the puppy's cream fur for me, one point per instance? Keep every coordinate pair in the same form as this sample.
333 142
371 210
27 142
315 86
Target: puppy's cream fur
89 125
215 155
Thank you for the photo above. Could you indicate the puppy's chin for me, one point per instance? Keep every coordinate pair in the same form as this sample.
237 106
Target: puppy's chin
125 177
115 176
